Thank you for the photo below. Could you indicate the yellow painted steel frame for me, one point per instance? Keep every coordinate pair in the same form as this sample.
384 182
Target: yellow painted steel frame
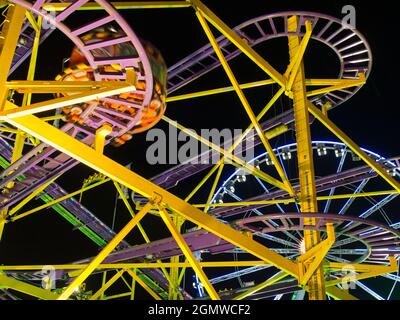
308 269
311 260
275 278
26 288
119 173
308 194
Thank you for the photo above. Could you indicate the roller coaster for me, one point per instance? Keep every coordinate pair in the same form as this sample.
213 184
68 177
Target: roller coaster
302 220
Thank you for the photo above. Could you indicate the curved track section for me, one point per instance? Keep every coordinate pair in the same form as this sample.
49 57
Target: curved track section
377 240
349 45
43 163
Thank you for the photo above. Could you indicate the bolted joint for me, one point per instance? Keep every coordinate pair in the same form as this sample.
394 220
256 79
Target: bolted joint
156 199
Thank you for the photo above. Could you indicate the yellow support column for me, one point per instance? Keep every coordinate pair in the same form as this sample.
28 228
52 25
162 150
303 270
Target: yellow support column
308 195
119 173
8 41
189 255
34 291
143 284
100 138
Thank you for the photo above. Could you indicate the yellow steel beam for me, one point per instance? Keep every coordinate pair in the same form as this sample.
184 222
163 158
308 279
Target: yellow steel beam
139 225
52 118
10 130
308 194
201 183
143 284
13 111
373 271
296 59
52 203
214 186
126 283
52 86
340 86
35 49
83 153
34 24
133 285
316 250
246 203
108 284
18 148
207 93
100 138
290 200
229 155
361 267
116 296
103 282
189 255
237 41
119 5
26 288
333 82
141 265
174 283
31 196
3 216
311 260
244 102
269 134
275 278
339 294
131 212
105 252
8 42
353 146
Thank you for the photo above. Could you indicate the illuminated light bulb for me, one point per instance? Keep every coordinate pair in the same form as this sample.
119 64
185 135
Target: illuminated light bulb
355 157
321 150
339 151
231 186
269 162
286 154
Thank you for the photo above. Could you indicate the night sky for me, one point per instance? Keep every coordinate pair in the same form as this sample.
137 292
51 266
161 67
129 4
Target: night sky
370 117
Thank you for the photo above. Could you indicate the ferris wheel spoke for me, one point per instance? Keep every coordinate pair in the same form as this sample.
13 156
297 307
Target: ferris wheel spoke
369 290
377 206
344 241
297 206
392 277
337 259
238 273
332 190
277 205
350 201
278 240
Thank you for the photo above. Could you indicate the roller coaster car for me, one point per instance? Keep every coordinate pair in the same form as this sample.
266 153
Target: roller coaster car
79 70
